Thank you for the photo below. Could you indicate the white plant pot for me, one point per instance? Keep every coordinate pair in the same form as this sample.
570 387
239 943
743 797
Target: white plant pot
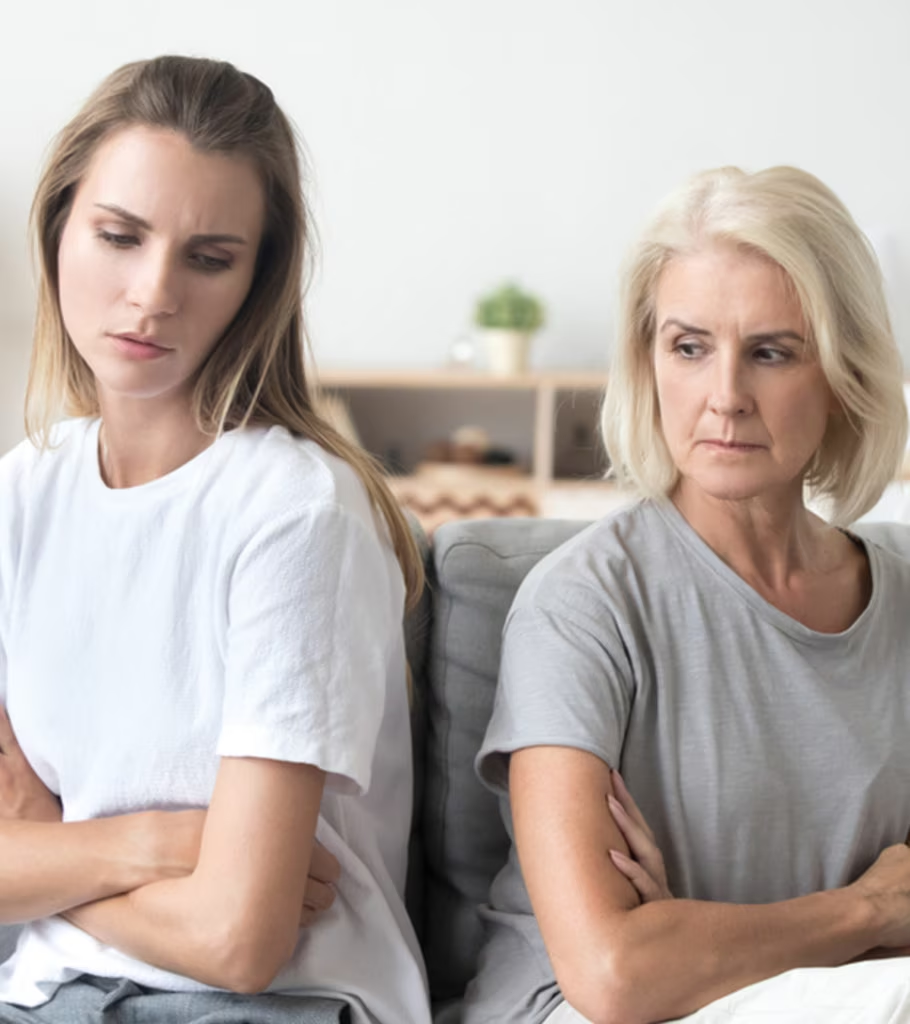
507 351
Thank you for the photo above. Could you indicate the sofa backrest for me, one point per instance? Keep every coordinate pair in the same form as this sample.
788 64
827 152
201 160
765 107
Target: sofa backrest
460 840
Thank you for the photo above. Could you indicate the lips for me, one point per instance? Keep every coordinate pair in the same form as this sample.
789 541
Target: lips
139 346
731 446
141 339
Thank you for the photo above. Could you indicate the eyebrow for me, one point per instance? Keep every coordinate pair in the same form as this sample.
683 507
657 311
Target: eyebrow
139 222
763 336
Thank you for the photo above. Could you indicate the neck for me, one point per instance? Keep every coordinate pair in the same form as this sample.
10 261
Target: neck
136 446
768 538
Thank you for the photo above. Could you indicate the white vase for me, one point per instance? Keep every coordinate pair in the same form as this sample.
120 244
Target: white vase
507 351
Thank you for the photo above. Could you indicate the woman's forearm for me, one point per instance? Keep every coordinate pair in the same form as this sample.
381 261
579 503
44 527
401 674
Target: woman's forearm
620 960
183 926
665 959
48 867
234 922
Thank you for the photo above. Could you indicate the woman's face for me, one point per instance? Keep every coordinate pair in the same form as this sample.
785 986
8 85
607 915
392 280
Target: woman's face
743 401
155 260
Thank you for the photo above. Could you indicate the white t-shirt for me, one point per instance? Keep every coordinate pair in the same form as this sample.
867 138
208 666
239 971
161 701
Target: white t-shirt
244 605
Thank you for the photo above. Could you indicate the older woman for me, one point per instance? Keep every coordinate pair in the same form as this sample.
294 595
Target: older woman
744 662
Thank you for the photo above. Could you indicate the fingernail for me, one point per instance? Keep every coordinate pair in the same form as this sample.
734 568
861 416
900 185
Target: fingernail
616 855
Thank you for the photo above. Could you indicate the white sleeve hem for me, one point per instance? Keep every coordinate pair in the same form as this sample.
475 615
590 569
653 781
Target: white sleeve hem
343 774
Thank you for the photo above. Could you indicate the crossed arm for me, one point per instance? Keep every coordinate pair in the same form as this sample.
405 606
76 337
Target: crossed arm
619 959
215 895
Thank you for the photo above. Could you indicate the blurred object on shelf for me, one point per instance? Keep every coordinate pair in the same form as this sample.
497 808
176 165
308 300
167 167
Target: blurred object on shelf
335 411
465 450
469 444
499 457
462 353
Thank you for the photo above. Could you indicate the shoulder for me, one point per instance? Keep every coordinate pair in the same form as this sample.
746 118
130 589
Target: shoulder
892 538
568 663
17 466
27 466
271 468
294 505
888 548
583 611
604 565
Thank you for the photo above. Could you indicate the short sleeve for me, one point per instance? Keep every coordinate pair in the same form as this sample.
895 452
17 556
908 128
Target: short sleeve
15 469
564 680
3 669
313 615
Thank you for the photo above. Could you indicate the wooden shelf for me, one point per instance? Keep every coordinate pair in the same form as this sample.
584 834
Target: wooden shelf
547 418
460 380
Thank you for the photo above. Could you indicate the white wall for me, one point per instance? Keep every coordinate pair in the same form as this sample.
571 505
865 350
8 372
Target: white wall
455 144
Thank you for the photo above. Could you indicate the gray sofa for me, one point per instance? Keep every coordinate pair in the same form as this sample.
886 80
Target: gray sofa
459 842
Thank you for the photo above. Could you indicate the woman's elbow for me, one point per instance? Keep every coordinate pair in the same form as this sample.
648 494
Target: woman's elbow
248 978
247 963
604 990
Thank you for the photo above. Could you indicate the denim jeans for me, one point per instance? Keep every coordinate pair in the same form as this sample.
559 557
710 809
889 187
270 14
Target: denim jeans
91 1000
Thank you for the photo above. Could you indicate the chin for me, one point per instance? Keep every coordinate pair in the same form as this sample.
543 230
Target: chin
137 383
732 486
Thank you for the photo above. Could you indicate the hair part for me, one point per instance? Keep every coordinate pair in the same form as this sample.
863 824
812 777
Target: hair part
256 374
789 217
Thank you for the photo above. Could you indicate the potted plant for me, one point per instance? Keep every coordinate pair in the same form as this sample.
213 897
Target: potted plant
508 318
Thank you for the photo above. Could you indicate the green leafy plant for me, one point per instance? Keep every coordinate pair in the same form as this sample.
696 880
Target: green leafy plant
509 308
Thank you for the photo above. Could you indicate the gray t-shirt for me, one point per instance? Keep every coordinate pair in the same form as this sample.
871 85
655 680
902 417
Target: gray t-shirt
770 760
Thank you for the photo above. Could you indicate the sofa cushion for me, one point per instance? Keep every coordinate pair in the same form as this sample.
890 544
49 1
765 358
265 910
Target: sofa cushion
478 567
418 626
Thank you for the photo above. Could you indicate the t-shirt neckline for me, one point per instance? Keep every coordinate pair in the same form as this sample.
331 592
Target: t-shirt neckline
786 623
177 480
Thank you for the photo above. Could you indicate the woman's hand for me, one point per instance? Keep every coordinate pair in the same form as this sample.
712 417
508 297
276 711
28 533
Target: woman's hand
646 871
886 888
23 796
319 894
167 844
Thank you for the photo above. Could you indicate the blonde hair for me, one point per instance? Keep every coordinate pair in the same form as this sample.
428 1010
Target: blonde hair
789 217
256 374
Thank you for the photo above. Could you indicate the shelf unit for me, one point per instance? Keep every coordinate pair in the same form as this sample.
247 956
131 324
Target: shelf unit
549 419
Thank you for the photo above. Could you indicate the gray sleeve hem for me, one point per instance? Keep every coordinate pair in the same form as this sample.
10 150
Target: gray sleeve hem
492 763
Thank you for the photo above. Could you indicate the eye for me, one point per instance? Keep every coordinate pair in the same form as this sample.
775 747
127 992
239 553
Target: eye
687 348
118 240
210 264
771 355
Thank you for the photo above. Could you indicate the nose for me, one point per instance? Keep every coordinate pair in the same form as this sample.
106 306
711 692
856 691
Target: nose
730 394
154 286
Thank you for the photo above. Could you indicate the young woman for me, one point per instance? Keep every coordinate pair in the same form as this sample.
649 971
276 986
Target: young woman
743 662
201 596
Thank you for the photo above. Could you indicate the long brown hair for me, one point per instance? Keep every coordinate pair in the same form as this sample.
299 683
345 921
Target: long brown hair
256 374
